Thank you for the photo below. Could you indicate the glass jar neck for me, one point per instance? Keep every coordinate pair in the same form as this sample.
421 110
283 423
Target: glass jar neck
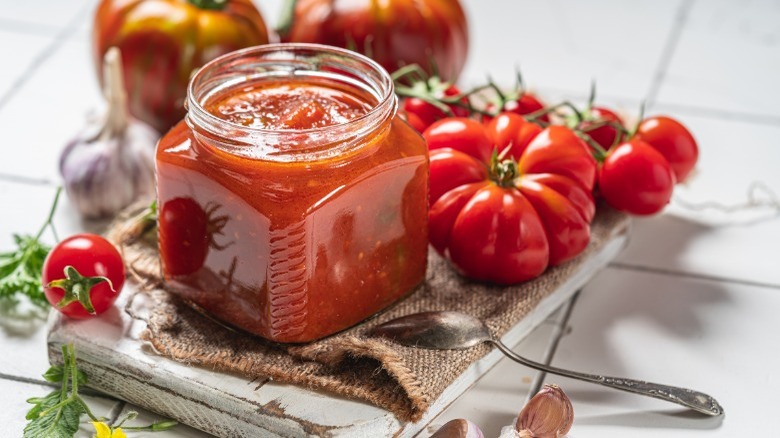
279 63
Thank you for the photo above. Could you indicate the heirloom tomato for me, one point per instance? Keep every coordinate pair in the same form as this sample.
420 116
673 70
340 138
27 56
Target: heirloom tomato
83 275
673 141
636 178
164 41
430 33
507 199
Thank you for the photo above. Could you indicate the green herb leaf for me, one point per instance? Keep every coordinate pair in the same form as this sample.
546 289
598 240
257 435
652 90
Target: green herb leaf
61 422
20 270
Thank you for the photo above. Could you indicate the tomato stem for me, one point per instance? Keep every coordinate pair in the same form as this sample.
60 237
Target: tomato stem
216 5
50 217
503 172
77 288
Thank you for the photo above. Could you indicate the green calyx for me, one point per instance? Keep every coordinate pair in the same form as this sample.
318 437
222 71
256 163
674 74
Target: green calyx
214 5
503 171
77 287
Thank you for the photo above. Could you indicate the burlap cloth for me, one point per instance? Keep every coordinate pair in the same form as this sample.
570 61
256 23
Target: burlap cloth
405 381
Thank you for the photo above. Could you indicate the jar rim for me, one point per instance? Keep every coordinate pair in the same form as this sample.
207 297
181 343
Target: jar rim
386 86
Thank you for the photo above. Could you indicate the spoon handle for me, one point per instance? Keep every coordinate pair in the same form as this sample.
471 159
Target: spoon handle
695 400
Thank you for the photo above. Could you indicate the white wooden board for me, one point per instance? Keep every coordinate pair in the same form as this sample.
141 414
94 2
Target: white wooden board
119 363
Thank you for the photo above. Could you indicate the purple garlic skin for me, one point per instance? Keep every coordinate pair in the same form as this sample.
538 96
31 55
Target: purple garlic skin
111 162
549 414
458 429
103 174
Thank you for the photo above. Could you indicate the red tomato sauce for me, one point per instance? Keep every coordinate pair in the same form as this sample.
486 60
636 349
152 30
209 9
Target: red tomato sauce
293 250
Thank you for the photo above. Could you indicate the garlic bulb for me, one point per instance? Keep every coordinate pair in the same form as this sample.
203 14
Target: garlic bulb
549 414
458 429
111 162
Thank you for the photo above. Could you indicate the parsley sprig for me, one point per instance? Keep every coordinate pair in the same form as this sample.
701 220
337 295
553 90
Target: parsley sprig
58 414
20 269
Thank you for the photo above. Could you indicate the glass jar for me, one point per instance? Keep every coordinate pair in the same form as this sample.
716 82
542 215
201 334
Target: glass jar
292 199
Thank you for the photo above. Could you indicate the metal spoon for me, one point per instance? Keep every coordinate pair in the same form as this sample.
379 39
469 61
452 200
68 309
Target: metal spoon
455 330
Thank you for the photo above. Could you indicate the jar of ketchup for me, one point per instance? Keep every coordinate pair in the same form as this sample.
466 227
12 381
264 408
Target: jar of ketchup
292 199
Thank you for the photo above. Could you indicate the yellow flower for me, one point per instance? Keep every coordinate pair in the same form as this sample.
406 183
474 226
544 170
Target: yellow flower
102 430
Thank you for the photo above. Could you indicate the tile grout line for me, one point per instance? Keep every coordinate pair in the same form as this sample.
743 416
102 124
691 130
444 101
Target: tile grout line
25 180
680 20
692 275
28 28
552 348
57 40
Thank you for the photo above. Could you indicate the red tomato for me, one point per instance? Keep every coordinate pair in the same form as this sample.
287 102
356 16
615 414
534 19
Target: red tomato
394 33
428 113
606 136
673 141
525 103
164 41
506 221
413 120
511 130
94 259
636 178
184 232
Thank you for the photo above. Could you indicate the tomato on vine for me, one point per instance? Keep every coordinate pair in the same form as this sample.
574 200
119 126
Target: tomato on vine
505 220
636 178
673 140
604 126
83 275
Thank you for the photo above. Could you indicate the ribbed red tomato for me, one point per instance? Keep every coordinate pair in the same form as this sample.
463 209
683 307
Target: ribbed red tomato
164 41
503 220
430 33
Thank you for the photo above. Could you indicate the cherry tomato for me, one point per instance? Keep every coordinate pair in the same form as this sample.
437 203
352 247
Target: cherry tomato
413 120
73 265
525 103
636 178
673 141
429 33
184 234
428 113
606 136
503 220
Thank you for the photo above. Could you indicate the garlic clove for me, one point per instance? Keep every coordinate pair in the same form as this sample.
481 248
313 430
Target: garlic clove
549 414
111 162
459 428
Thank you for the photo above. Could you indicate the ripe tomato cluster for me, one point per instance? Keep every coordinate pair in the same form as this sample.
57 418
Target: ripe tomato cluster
514 183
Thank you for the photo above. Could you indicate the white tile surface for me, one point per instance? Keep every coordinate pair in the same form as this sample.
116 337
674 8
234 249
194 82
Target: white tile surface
737 245
727 58
710 336
565 44
22 49
55 13
48 111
